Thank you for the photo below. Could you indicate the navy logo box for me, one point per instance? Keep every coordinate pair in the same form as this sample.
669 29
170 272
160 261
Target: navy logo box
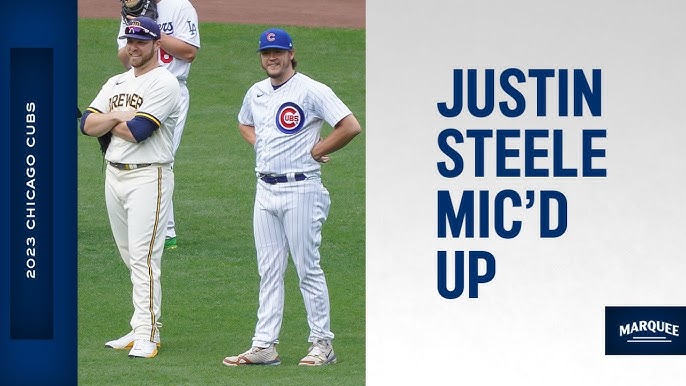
645 330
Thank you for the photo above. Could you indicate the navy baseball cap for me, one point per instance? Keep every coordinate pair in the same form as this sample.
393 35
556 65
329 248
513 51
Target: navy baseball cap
276 39
141 28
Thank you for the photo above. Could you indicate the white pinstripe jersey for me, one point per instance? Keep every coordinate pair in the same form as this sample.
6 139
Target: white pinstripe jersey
177 18
155 95
288 122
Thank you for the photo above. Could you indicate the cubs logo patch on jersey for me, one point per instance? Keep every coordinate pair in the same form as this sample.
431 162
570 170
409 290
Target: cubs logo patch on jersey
290 118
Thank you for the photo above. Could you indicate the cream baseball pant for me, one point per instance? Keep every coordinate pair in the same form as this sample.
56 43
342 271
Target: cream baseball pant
185 101
138 203
288 217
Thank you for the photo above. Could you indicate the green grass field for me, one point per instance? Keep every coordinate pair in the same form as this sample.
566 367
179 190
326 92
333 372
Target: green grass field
210 282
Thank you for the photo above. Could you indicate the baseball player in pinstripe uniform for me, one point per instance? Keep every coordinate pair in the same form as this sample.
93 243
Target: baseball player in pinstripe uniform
180 42
282 117
140 108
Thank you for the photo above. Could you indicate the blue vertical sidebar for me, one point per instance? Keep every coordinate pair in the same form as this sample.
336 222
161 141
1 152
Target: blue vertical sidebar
38 246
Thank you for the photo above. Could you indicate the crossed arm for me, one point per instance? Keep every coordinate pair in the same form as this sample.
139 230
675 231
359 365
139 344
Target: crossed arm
97 124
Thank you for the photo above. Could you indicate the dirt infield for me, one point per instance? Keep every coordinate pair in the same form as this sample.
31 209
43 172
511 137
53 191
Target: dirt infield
312 13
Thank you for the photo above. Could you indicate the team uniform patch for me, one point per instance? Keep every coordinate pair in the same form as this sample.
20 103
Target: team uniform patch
290 118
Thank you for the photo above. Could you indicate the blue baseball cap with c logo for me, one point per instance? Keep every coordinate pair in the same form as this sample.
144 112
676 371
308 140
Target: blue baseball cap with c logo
275 38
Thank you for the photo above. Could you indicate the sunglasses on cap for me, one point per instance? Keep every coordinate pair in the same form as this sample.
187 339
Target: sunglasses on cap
139 33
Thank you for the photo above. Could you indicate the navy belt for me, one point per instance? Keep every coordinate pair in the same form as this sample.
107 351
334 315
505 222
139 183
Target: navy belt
273 180
128 166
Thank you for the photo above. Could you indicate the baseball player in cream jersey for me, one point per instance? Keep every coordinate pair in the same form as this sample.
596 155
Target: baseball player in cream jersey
282 117
140 108
180 42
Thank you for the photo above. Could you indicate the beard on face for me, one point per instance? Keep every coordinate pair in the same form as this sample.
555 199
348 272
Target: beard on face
145 57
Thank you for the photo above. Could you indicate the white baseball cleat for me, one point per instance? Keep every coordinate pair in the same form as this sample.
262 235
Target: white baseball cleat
126 341
255 356
320 353
143 348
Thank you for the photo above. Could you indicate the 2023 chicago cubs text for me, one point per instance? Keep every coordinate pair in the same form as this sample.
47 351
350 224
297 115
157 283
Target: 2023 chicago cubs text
30 183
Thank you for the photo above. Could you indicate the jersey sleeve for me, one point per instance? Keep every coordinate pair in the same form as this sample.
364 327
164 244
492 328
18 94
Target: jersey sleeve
186 26
160 99
245 114
327 105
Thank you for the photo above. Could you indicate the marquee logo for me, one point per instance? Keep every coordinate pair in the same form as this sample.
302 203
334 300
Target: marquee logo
644 330
660 331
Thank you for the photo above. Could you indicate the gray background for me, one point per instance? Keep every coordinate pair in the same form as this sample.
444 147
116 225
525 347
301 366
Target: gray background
541 320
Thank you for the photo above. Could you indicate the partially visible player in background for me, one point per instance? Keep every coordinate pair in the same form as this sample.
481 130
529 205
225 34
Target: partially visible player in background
178 21
282 117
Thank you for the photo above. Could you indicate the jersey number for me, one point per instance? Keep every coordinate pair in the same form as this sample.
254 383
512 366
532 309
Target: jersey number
165 57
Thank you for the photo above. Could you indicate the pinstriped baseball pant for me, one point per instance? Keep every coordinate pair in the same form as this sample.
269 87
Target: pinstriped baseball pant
138 204
288 217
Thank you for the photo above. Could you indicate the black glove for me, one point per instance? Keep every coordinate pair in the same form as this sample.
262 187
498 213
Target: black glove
137 8
104 141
